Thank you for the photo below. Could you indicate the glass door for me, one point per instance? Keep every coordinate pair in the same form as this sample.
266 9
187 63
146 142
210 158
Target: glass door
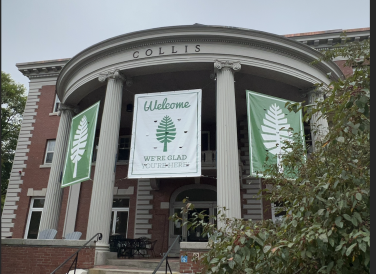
195 234
119 217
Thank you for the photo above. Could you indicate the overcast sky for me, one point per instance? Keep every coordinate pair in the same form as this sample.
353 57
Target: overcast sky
36 30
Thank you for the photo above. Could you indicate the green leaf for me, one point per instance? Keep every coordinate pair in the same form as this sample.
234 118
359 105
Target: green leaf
348 251
258 240
320 212
339 247
231 264
294 223
324 237
331 242
358 196
214 261
366 259
267 248
338 222
363 246
357 215
347 217
330 266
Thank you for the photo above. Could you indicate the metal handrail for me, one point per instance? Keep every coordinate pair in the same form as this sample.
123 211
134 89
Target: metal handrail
76 253
165 257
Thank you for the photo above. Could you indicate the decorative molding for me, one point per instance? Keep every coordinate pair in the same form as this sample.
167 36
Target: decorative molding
227 65
111 74
32 192
294 53
165 205
124 191
17 172
66 107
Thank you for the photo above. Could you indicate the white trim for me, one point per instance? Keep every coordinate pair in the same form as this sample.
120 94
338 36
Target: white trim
31 210
49 151
115 210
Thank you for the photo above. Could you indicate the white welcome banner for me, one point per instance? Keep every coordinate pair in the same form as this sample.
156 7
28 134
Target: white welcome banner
166 135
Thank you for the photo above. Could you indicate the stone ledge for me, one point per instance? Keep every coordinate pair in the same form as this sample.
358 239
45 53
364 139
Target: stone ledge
197 246
51 243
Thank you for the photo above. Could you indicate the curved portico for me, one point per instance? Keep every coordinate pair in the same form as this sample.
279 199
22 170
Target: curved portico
221 61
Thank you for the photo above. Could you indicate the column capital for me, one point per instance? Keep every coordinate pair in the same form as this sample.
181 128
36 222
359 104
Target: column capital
234 65
314 95
112 74
64 107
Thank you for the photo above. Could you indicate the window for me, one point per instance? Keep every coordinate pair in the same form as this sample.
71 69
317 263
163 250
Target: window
33 220
119 216
56 104
124 147
278 211
49 151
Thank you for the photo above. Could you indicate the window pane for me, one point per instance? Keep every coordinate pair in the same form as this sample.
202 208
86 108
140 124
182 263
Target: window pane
123 154
121 223
120 202
56 107
178 226
38 203
34 225
51 145
49 157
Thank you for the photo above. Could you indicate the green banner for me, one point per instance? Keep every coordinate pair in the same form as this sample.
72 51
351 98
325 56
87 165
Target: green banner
268 126
80 148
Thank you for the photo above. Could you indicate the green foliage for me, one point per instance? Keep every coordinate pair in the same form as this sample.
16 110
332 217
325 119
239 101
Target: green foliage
13 100
327 227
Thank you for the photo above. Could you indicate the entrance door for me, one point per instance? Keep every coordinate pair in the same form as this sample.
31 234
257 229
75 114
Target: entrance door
204 198
119 217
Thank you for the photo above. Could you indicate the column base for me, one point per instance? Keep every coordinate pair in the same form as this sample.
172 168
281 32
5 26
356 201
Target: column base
101 253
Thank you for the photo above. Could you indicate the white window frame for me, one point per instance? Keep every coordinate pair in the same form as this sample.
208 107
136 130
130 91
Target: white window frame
31 210
115 211
124 136
57 101
276 209
49 151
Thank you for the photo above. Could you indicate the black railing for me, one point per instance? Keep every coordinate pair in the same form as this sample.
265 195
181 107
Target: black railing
166 257
76 253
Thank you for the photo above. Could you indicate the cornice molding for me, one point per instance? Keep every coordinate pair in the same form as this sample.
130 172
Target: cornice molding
39 72
258 45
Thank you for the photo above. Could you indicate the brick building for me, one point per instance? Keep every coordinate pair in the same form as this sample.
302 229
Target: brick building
221 61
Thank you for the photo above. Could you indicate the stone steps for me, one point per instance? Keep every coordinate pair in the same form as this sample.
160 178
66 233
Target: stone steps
139 266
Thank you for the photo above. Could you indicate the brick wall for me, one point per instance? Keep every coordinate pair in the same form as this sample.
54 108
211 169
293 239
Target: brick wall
42 259
45 128
191 266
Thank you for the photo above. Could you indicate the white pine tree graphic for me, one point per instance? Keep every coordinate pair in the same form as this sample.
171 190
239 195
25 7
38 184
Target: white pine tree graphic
273 134
79 143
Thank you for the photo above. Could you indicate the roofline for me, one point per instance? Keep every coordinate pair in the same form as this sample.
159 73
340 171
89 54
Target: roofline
326 32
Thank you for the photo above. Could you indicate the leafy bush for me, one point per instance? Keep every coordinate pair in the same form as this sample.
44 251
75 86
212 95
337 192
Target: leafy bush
327 225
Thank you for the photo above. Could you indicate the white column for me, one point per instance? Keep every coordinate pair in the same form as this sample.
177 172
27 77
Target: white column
52 203
228 188
319 125
71 210
104 176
